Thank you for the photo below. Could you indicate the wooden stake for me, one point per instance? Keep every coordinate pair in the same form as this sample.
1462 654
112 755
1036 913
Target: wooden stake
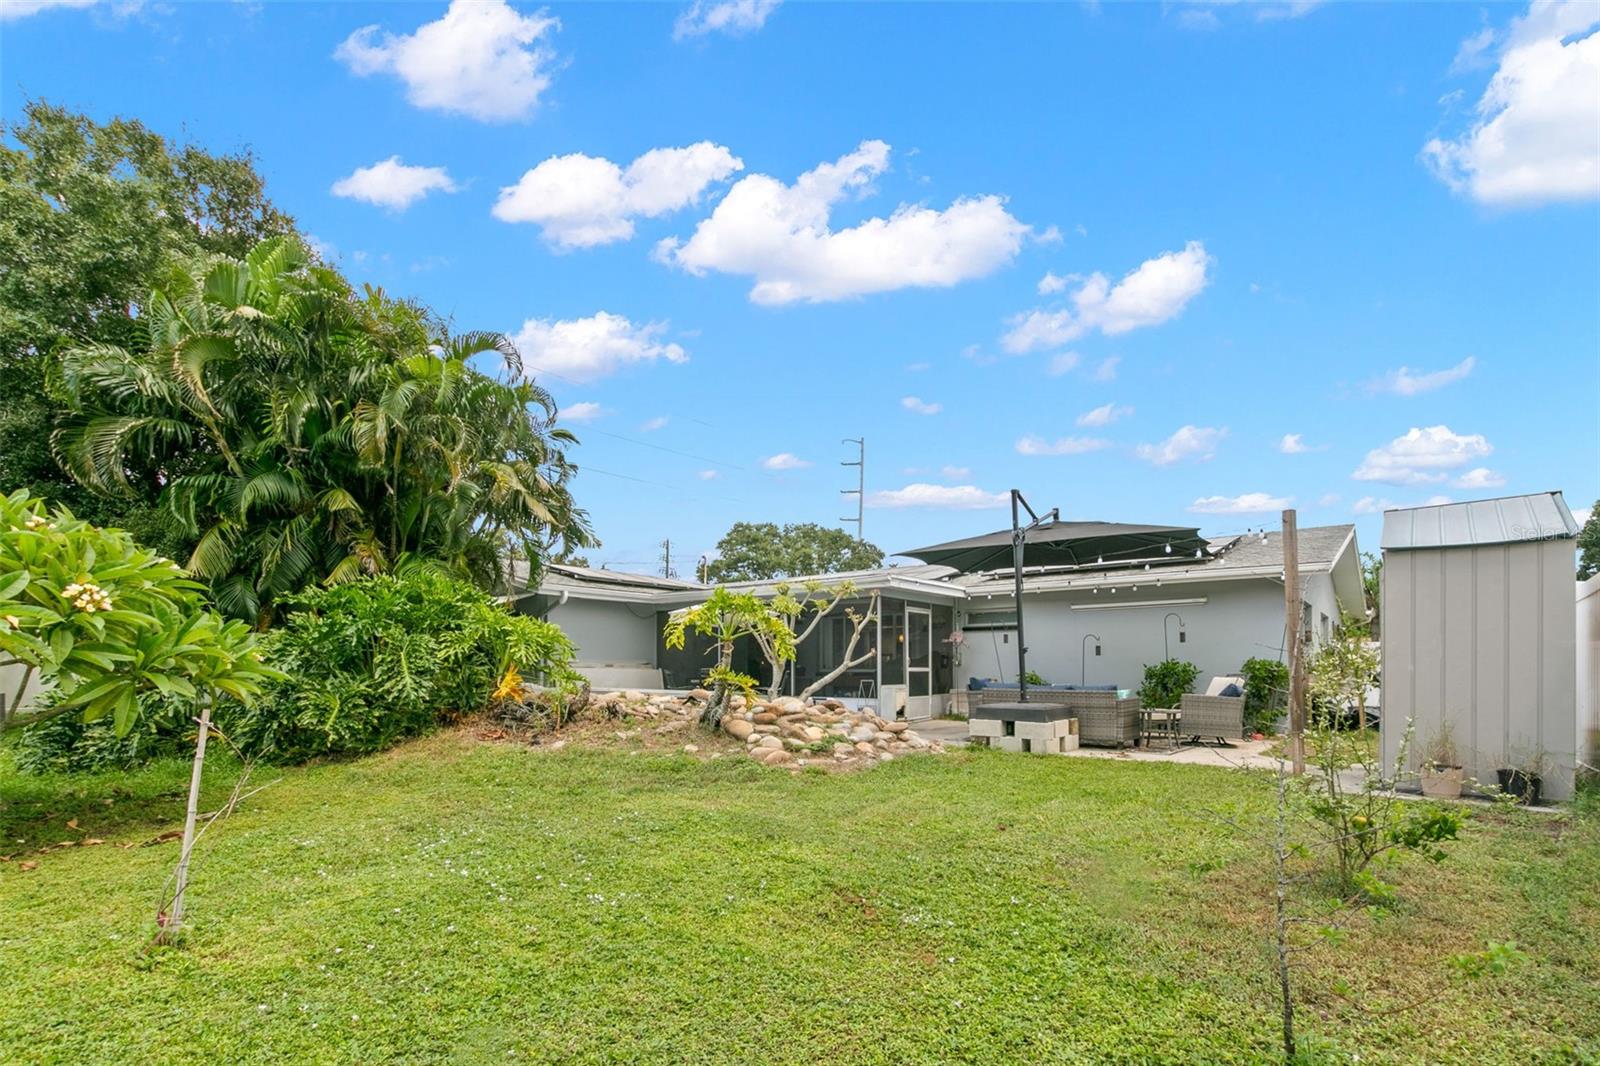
173 922
1292 618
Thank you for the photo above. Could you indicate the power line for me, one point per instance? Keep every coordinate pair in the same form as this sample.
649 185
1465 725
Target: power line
688 493
663 448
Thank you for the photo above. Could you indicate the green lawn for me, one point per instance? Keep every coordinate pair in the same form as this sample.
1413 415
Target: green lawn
461 901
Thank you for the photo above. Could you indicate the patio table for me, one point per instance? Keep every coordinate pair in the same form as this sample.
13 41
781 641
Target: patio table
1156 724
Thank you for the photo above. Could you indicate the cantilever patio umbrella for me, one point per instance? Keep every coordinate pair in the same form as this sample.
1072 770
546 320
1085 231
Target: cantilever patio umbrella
1064 544
1048 541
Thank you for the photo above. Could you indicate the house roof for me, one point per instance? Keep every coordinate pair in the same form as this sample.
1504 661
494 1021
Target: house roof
1506 520
1323 549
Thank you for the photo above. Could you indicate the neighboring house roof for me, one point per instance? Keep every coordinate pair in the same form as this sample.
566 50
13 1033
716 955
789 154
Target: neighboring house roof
1506 520
1323 549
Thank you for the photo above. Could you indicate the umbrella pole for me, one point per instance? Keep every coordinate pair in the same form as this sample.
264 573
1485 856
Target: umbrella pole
1016 574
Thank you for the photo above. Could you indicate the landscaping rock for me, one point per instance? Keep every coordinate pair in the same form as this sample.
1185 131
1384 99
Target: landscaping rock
737 728
769 742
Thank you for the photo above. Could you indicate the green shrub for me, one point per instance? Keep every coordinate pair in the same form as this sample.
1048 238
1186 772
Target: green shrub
66 743
1166 682
378 659
1266 692
1034 679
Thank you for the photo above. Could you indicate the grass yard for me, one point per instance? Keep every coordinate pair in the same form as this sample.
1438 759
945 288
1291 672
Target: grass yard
461 901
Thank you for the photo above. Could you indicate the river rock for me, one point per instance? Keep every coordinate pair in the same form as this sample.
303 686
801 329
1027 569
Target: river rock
737 728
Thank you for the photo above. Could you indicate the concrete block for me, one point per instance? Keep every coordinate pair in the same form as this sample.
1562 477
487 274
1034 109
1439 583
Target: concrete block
985 727
1006 743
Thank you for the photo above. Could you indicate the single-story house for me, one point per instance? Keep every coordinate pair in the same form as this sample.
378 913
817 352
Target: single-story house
1096 623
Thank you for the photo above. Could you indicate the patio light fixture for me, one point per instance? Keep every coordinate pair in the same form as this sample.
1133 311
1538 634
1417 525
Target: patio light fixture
1083 657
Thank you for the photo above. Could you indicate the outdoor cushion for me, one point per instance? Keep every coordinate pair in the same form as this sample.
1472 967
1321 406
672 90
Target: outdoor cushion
1232 690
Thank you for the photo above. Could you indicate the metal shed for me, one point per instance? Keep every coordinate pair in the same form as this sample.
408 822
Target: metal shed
1479 635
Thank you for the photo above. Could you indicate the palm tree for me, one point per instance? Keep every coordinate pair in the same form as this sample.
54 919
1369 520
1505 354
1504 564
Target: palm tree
307 433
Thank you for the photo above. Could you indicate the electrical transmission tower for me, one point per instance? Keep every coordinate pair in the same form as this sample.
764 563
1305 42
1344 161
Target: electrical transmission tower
860 491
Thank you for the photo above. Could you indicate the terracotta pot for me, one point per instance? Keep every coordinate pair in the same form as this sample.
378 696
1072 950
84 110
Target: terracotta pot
1441 782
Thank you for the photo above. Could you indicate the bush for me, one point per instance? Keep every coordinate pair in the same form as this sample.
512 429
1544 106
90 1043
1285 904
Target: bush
1266 692
378 659
67 744
1166 682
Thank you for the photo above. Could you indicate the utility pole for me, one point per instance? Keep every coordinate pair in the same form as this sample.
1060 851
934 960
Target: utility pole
860 491
1291 620
666 559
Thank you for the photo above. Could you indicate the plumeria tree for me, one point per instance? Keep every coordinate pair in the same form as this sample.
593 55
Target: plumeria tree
725 618
801 610
95 620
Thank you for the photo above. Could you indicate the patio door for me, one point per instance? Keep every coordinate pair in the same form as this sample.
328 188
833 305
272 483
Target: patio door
919 662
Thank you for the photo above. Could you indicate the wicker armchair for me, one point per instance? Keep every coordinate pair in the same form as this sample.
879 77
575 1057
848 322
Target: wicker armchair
1219 717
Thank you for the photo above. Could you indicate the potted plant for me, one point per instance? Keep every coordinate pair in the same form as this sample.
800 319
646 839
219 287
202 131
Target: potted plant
1524 781
1441 770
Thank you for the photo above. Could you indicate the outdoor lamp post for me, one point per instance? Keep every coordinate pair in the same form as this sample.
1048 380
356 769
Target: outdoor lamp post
1083 658
1165 640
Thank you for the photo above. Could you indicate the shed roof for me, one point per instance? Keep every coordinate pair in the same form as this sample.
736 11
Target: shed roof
1506 520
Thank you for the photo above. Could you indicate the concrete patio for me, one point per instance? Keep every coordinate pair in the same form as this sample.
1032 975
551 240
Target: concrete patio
1250 754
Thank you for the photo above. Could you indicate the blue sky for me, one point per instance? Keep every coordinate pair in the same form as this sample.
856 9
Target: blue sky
1111 255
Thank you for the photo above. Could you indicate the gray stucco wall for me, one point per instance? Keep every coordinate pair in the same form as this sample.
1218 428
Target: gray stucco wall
1239 620
606 632
1483 638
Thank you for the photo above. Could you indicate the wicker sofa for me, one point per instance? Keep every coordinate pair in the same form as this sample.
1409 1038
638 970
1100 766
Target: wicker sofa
1104 718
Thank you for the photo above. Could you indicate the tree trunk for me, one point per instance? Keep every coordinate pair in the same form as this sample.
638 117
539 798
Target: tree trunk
1280 855
172 923
846 662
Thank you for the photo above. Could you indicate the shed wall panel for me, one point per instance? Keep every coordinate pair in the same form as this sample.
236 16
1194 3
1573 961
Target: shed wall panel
1483 638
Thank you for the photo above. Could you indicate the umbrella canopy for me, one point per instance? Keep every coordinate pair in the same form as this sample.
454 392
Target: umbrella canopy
1066 544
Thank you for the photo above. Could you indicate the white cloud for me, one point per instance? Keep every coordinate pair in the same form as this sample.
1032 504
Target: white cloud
955 473
785 461
707 475
1328 499
1581 516
1051 284
733 17
393 184
1035 445
1249 503
920 406
1535 137
583 411
1189 442
482 59
653 424
11 10
949 497
583 349
1408 382
1292 444
1380 504
779 235
1152 293
580 201
1480 477
1104 415
1107 370
1422 456
1061 362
